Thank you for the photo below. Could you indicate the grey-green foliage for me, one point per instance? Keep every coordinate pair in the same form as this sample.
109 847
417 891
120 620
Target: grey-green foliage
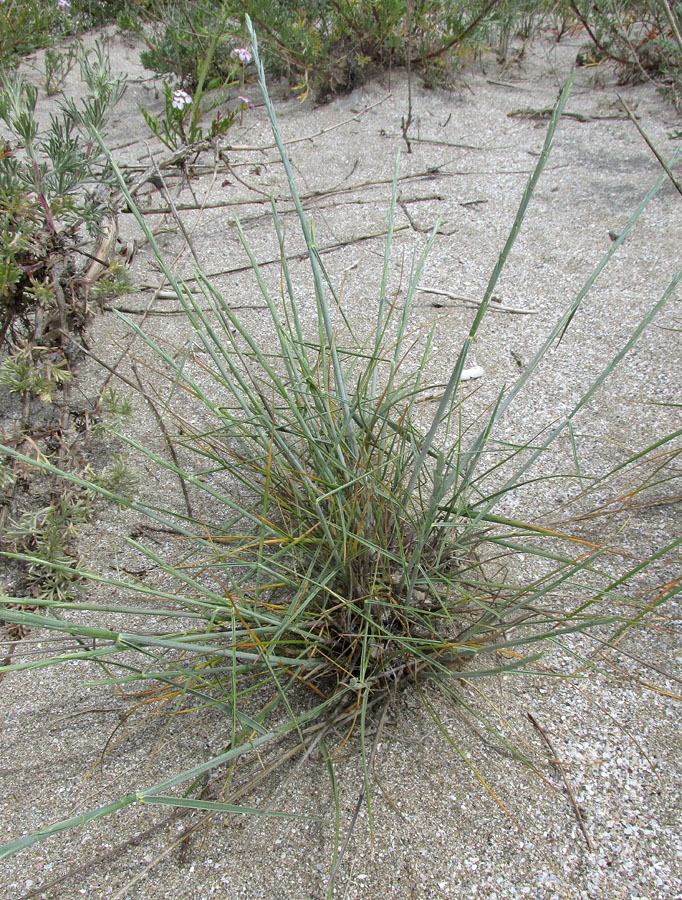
25 26
330 47
36 370
52 571
53 182
58 64
118 478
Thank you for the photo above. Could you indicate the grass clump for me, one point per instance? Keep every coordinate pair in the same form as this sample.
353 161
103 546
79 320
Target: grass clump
353 548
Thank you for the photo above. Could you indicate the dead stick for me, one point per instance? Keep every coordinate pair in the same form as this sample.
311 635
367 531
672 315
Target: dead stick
672 21
245 148
557 762
310 137
470 301
361 793
222 204
206 820
528 112
134 841
174 211
439 143
647 141
164 431
171 295
330 248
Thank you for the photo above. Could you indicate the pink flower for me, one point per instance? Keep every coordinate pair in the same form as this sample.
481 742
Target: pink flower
246 103
243 54
64 5
180 99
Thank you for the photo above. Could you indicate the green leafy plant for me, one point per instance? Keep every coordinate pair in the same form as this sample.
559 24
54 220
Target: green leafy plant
115 407
179 126
38 370
28 25
58 64
55 185
353 552
331 47
46 535
328 47
115 281
183 35
51 187
90 13
643 40
117 478
181 120
25 26
513 23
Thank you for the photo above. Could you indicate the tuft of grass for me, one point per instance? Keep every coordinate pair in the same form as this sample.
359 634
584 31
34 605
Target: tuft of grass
354 550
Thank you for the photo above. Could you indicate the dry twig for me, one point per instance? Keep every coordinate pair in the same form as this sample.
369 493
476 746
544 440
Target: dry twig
557 762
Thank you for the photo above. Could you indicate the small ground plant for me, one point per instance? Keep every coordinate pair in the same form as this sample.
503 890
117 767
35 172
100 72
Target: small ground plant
58 64
181 36
643 40
52 188
25 26
55 184
340 550
180 123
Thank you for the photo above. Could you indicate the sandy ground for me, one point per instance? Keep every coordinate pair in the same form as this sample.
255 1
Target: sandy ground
437 831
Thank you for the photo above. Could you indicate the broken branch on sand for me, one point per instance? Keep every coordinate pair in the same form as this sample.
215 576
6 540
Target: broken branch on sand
495 302
330 248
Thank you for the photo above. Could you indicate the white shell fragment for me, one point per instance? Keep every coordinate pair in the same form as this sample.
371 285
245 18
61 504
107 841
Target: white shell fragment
473 372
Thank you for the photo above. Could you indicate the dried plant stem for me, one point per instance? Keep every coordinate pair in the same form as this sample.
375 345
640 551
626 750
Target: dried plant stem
303 254
174 211
470 301
557 762
647 140
672 21
164 431
134 841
